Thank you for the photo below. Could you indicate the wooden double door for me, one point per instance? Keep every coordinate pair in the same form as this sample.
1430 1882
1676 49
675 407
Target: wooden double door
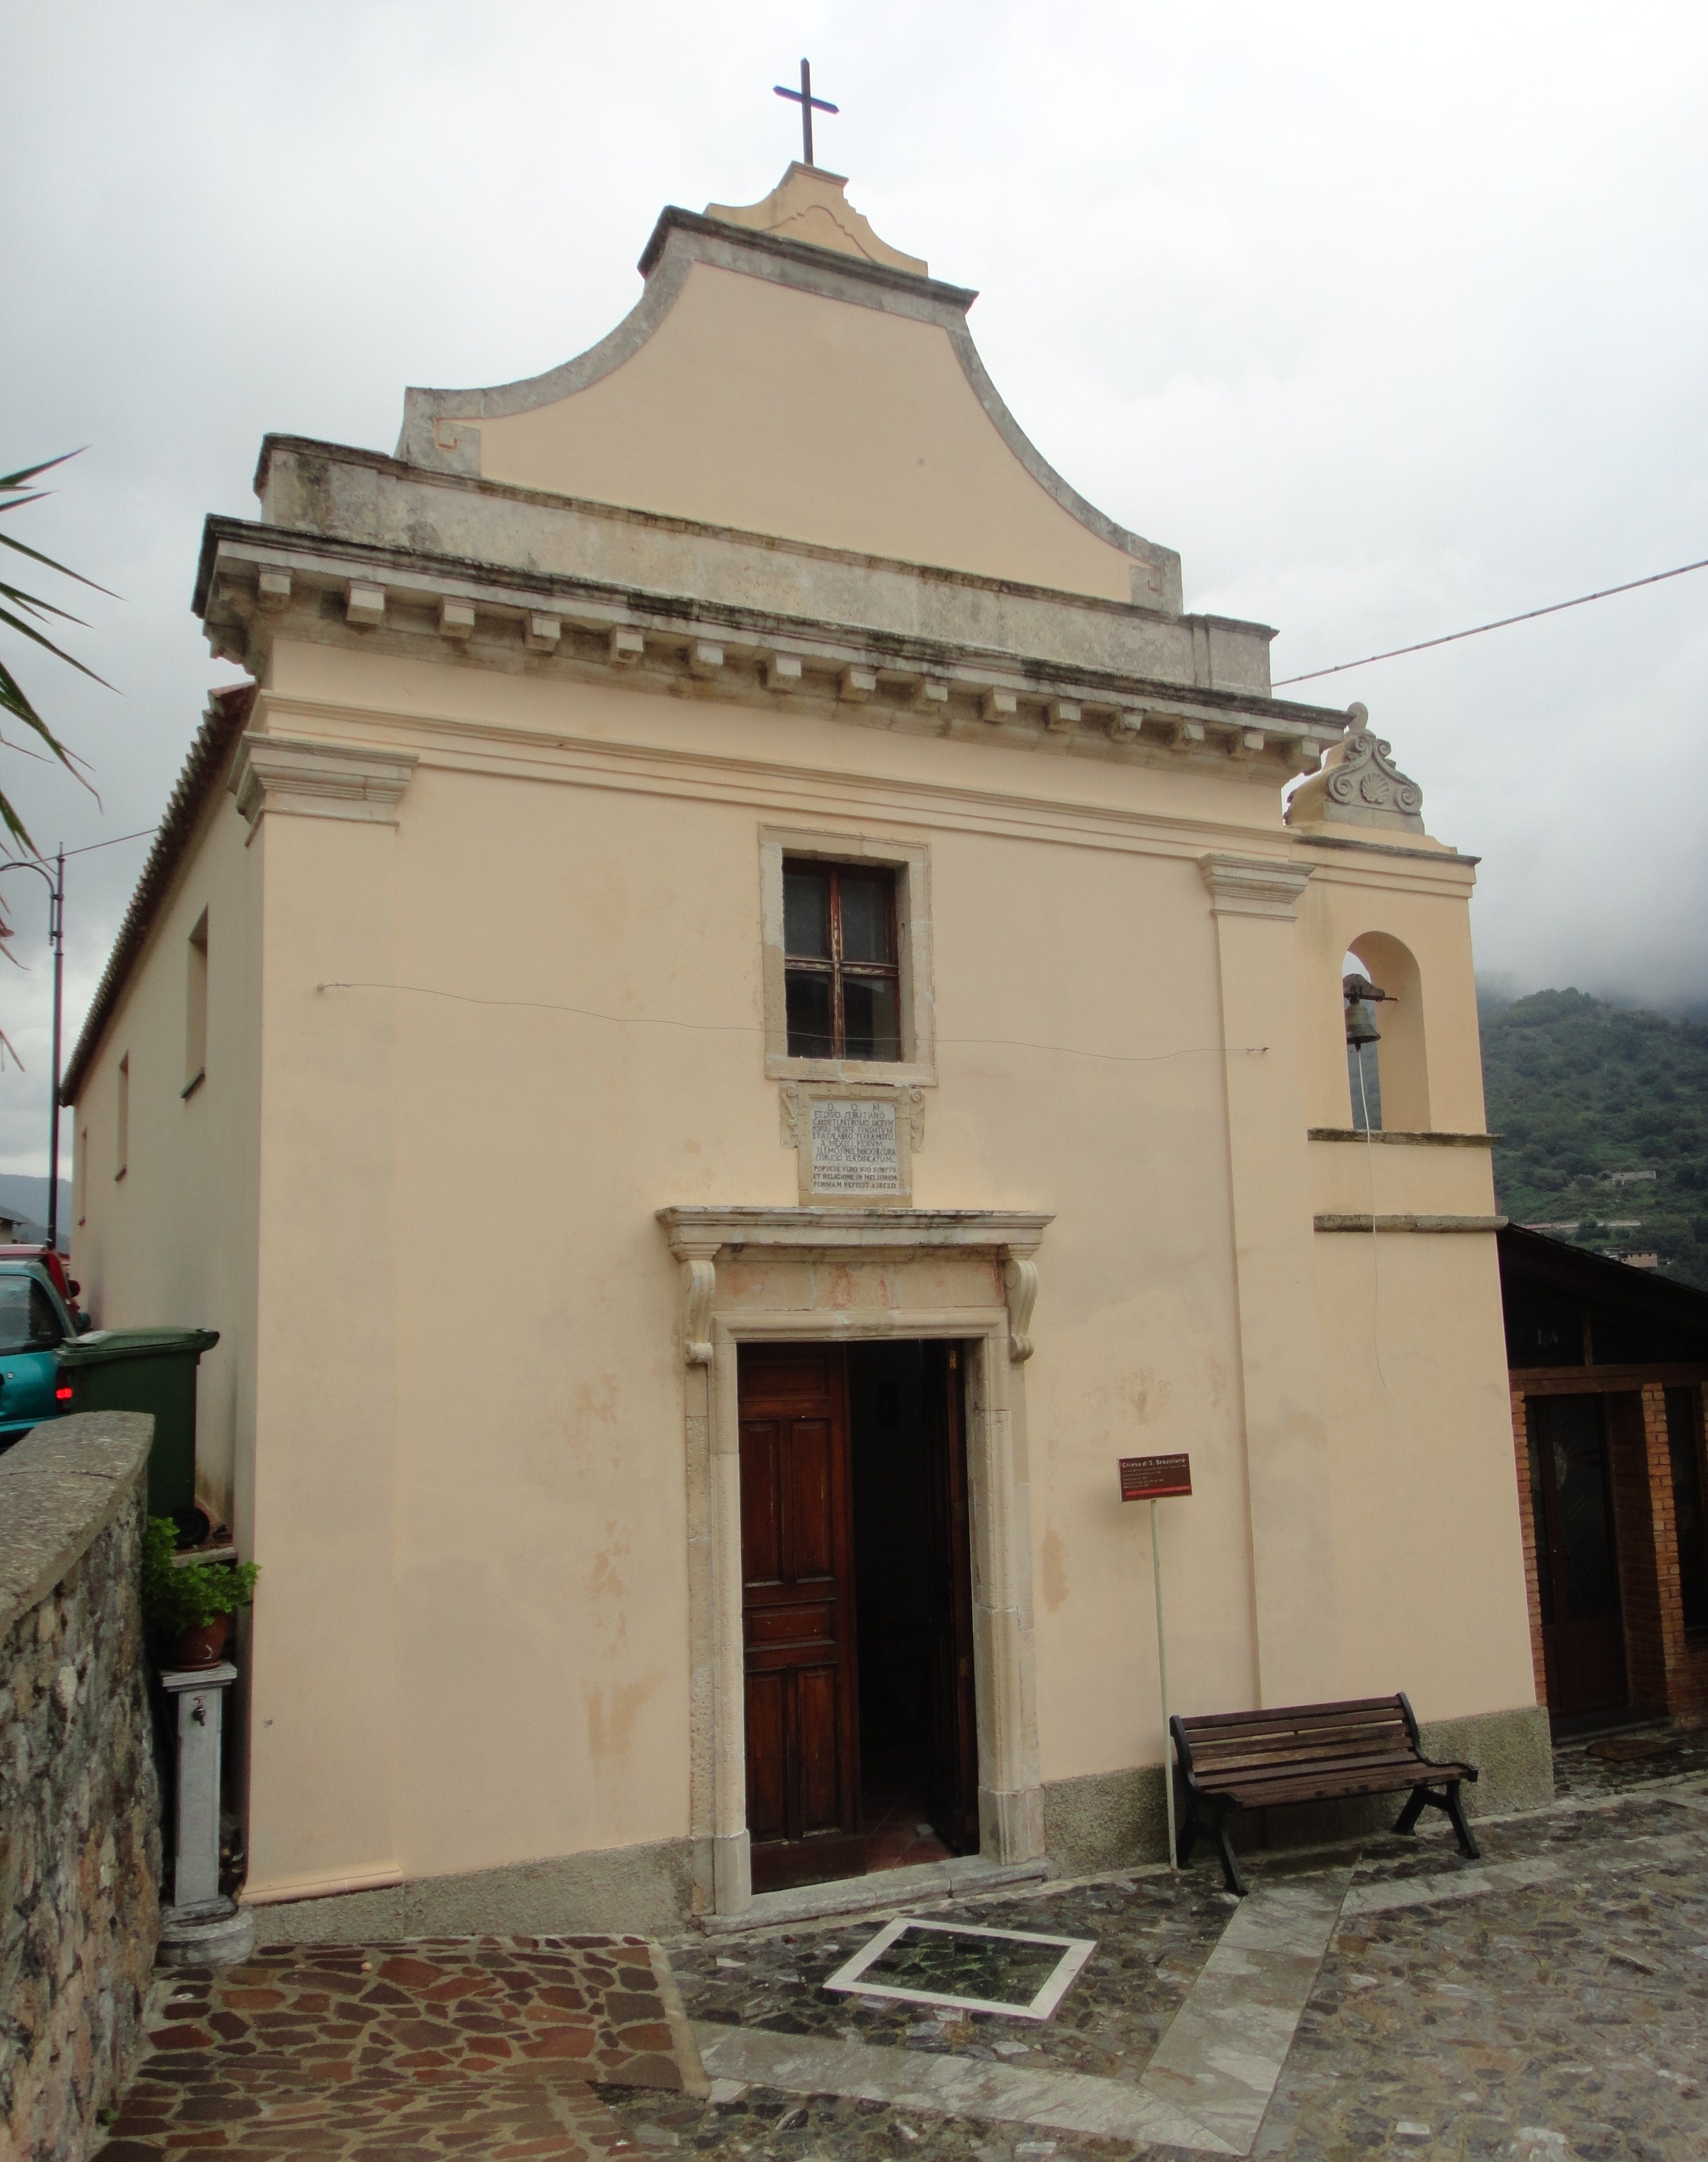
800 1605
1577 1559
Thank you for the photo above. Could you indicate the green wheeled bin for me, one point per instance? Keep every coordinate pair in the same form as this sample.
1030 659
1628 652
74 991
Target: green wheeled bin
145 1370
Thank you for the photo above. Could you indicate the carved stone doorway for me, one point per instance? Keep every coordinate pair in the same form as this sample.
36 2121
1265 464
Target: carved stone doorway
753 1277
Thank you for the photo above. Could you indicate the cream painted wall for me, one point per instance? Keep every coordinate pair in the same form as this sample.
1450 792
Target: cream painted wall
1426 1508
174 1240
1414 1352
471 1646
756 405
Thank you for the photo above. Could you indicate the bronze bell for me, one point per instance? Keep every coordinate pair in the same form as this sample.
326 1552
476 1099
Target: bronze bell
1361 1015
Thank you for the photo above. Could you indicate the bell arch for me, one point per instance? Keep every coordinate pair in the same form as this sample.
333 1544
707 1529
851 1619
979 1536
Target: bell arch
1401 1054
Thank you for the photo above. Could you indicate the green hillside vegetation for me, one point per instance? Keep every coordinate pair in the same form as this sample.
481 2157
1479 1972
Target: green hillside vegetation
1582 1091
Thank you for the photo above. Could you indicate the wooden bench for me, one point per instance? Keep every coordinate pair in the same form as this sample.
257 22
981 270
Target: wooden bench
1308 1753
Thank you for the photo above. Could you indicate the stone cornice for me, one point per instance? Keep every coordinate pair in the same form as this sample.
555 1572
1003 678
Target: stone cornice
1400 1139
1253 886
351 496
704 1230
260 582
801 256
1367 1224
699 1234
305 780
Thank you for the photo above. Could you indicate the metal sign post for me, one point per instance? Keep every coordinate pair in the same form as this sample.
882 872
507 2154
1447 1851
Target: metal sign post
1156 1479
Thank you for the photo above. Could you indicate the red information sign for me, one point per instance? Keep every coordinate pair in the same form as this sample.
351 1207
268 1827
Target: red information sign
1155 1478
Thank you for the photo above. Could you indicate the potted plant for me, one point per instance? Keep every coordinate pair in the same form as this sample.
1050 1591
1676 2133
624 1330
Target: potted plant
191 1604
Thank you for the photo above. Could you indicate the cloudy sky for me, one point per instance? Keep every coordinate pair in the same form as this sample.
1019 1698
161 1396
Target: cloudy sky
1390 320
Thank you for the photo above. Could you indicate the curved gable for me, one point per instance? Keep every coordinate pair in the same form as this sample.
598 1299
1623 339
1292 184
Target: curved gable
815 390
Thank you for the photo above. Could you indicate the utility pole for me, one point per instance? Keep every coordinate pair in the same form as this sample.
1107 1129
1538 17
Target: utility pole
56 939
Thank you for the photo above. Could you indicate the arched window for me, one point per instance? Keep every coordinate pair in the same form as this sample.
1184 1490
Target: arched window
1388 1071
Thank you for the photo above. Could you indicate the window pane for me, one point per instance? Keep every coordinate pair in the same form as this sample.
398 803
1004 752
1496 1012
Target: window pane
868 928
805 913
810 1031
27 1322
869 1010
1687 1506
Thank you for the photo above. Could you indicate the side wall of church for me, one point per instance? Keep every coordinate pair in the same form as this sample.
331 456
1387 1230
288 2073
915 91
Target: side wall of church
163 1220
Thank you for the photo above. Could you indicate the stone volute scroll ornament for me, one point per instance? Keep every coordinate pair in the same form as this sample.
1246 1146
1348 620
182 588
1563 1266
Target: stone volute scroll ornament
698 1261
1359 785
1019 1281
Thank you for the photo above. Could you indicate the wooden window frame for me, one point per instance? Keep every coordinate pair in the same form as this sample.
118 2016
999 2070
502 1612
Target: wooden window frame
909 861
836 969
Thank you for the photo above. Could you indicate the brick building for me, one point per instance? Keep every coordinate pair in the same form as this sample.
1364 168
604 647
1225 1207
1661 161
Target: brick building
1608 1365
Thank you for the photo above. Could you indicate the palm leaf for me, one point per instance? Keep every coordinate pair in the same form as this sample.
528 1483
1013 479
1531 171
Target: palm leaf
20 612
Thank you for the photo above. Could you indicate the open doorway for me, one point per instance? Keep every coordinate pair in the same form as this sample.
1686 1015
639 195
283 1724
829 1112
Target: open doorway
1577 1561
856 1608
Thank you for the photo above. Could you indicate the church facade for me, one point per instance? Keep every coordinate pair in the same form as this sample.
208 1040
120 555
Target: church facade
733 1014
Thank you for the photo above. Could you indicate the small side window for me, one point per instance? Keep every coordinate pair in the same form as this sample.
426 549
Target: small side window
123 1135
196 1007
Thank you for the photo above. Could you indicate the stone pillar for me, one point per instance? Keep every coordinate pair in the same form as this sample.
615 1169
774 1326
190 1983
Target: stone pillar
1674 1646
1297 1653
321 1503
200 1927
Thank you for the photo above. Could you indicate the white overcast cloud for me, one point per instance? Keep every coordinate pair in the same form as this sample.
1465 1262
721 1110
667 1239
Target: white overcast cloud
1390 321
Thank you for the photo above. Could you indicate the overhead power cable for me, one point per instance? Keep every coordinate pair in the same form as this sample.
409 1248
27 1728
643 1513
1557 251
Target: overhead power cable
1476 630
89 846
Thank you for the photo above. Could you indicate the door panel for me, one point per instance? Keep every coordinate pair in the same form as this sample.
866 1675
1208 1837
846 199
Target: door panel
1583 1630
762 1503
797 1615
955 1758
766 1725
813 1492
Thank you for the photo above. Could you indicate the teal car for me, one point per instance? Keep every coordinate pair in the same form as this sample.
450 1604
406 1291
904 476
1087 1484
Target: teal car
35 1323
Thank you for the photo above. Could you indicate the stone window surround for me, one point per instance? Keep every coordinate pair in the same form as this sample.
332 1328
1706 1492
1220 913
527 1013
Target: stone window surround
911 861
995 1248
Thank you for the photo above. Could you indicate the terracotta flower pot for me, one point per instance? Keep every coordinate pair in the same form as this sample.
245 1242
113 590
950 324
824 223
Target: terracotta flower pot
203 1647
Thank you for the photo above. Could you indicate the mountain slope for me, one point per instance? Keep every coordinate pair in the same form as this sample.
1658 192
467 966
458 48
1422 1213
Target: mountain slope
1584 1095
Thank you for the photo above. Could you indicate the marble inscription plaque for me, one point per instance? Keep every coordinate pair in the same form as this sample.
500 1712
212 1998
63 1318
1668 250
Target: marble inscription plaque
854 1148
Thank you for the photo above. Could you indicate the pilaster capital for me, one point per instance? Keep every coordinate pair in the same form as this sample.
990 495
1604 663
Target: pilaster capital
318 779
1253 886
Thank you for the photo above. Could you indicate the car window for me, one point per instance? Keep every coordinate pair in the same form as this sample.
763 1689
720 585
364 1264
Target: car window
27 1321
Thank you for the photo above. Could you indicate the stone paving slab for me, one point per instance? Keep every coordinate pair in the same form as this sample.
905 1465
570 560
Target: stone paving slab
956 2087
475 2047
1219 2062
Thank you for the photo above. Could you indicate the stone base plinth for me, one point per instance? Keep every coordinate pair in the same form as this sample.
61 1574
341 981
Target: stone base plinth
218 1935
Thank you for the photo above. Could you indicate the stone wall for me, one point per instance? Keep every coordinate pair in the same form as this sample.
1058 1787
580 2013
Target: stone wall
79 1833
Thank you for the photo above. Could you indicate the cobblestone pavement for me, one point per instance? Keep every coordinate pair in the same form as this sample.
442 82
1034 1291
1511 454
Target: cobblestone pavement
1548 2004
